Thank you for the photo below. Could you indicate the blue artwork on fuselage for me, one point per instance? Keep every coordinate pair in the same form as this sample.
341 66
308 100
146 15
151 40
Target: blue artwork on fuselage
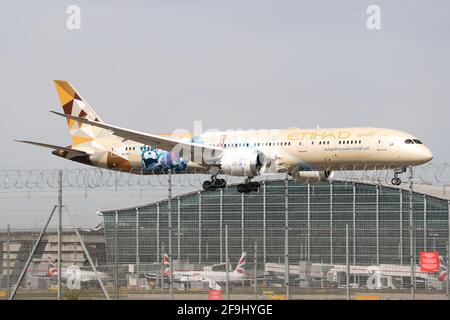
158 161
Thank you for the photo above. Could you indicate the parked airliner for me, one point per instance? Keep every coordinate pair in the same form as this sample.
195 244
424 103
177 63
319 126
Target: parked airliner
307 154
213 278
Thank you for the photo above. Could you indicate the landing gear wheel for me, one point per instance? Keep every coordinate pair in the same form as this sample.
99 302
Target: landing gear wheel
248 187
396 181
207 185
220 183
214 184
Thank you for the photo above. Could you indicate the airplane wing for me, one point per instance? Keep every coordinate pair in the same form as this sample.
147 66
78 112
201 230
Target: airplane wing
51 146
199 153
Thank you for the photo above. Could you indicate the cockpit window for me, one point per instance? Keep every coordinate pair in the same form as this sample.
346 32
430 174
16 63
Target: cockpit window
417 141
409 141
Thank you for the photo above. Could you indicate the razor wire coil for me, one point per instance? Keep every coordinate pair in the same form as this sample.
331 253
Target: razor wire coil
92 178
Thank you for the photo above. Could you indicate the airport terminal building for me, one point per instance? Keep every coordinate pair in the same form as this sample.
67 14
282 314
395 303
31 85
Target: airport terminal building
378 218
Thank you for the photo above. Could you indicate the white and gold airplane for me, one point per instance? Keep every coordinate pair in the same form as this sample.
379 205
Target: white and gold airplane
307 154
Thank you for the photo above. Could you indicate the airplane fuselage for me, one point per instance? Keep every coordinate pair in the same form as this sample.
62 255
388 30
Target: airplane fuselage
246 153
302 149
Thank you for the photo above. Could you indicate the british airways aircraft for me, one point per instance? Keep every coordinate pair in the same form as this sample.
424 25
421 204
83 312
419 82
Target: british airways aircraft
307 154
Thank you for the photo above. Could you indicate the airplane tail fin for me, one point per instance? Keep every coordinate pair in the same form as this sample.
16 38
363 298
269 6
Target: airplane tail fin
240 268
52 268
443 272
73 104
166 262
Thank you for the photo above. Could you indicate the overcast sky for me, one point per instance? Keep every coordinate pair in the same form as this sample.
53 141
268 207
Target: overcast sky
157 66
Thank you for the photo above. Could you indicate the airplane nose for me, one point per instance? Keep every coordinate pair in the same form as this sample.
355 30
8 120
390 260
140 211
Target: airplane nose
426 154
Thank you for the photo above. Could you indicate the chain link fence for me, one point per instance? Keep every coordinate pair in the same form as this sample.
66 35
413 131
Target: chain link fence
343 239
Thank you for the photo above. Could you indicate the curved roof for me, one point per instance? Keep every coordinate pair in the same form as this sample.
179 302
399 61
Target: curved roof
437 192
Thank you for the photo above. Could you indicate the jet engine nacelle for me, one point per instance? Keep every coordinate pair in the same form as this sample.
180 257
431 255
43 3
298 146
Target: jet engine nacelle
243 162
313 176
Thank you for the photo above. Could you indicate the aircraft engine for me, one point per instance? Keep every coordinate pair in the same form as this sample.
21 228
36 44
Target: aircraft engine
243 162
313 176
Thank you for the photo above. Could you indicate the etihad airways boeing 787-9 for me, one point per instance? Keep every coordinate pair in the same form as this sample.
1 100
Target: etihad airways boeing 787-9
307 154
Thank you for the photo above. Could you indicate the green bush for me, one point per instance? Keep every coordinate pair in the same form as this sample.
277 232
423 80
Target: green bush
72 294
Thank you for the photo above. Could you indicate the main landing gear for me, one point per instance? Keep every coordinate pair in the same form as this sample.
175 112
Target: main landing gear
248 186
396 181
214 184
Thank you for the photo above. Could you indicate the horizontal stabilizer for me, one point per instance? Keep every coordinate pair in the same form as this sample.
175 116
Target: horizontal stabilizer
51 146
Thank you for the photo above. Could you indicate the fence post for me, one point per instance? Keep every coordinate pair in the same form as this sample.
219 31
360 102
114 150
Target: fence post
179 229
116 265
137 246
286 236
221 226
308 250
8 275
88 256
31 255
227 265
347 261
448 251
264 223
411 235
242 222
354 230
199 227
256 262
158 257
169 207
59 232
331 222
377 227
162 271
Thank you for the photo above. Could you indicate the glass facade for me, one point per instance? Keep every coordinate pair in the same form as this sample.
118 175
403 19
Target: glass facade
377 216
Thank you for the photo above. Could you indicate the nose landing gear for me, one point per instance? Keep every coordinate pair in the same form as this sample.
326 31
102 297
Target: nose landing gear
396 181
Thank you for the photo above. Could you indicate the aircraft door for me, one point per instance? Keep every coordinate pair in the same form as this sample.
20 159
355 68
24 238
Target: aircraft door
382 143
302 146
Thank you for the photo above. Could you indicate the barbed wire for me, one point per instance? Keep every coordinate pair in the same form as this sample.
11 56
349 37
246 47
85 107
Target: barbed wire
91 178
